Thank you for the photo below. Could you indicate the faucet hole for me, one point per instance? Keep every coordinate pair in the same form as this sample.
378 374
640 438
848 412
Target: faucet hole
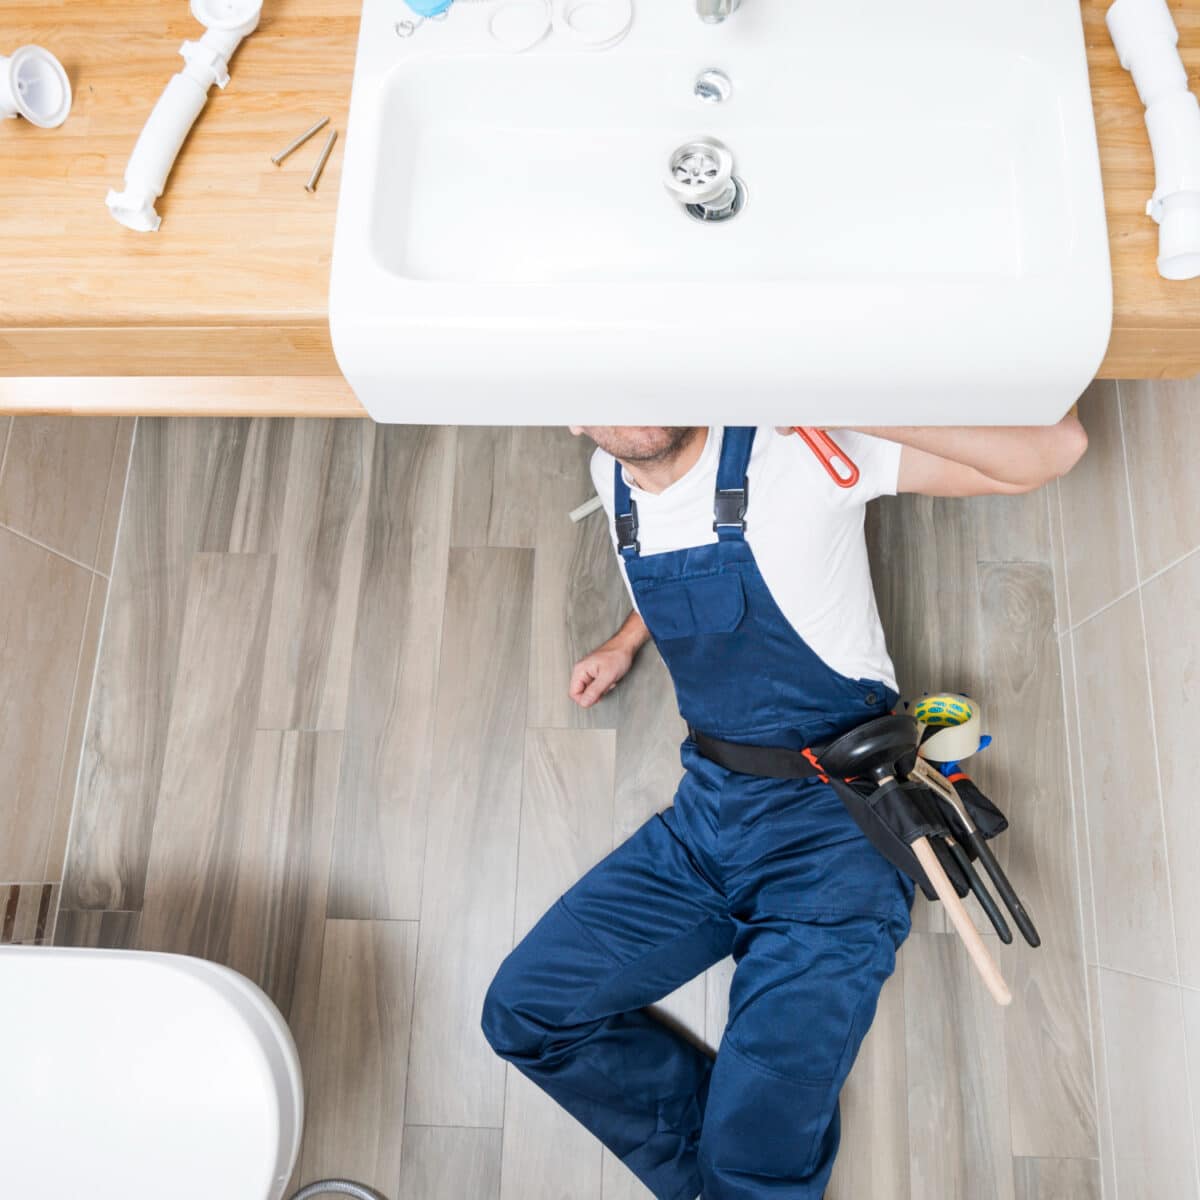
713 87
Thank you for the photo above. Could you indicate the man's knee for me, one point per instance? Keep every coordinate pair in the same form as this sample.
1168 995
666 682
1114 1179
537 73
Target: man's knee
508 1022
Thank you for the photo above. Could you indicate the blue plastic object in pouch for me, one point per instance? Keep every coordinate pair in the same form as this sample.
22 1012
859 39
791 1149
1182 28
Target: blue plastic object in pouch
429 8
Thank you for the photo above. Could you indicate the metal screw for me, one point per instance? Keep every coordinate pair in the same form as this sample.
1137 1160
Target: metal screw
311 185
278 158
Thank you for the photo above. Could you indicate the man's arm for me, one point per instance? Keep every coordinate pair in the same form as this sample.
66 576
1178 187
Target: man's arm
978 461
595 676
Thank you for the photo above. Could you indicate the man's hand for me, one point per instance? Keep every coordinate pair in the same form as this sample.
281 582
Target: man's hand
595 676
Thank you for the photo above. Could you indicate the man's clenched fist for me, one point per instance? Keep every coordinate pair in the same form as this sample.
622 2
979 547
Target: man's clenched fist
595 676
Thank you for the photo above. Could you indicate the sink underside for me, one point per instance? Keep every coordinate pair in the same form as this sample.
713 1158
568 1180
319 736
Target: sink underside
924 237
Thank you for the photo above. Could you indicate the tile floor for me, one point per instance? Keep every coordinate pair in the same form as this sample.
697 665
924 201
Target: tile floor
330 745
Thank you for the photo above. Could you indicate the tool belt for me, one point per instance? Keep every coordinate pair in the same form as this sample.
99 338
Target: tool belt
892 815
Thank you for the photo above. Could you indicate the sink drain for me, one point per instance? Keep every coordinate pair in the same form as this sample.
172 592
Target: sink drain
700 176
709 213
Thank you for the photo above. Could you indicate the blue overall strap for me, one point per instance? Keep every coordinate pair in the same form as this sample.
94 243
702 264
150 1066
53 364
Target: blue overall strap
626 516
733 487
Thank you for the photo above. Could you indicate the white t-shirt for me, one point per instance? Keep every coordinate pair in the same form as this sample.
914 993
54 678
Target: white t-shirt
805 531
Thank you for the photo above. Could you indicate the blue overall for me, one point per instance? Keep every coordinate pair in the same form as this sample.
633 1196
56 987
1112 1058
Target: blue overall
774 872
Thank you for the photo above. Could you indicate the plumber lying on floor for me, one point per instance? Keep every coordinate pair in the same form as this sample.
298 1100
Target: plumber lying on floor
761 605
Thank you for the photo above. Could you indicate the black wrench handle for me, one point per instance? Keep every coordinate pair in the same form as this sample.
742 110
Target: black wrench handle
1011 901
986 900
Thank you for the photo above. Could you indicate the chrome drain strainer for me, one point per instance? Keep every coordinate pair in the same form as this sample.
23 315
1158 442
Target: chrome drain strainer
700 176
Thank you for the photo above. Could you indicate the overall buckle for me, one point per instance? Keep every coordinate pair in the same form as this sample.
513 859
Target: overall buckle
627 529
729 507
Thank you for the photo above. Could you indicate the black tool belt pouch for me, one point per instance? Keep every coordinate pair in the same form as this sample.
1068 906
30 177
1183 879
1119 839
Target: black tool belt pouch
984 813
893 816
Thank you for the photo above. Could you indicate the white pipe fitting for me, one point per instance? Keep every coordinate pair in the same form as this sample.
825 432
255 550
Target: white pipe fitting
34 85
206 62
1144 33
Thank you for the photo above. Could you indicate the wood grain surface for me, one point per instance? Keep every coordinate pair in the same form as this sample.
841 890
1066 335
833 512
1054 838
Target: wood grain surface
235 283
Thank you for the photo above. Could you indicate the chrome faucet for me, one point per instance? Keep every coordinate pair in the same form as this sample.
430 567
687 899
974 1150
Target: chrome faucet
713 12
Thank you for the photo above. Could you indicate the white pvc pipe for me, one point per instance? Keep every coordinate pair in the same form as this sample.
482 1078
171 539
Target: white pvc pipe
1145 36
206 62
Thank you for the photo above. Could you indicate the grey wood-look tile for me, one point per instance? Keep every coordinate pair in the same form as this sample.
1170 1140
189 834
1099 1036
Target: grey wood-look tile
1011 528
1058 558
43 611
957 1082
566 815
81 694
55 481
579 598
1097 532
27 912
496 498
1191 1032
355 1064
191 877
1125 827
923 555
254 899
1057 1178
649 734
455 1164
1083 850
114 496
620 1183
97 929
1051 1090
684 1010
716 1001
183 486
874 1160
1162 432
384 791
566 827
1172 610
468 901
257 518
1155 1143
314 606
1108 1177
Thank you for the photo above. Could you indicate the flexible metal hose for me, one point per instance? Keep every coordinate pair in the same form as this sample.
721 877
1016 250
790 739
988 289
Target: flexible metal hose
337 1187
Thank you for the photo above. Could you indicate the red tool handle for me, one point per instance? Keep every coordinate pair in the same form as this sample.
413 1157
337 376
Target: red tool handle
830 455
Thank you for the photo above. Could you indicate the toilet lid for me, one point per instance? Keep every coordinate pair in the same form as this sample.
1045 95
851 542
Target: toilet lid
131 1076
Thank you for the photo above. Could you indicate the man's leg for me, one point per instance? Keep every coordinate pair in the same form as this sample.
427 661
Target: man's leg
819 916
565 1005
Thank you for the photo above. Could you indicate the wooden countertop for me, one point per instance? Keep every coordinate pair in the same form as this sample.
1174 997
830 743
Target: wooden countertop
235 284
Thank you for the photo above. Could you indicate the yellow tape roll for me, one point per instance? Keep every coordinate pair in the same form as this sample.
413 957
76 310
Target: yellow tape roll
959 721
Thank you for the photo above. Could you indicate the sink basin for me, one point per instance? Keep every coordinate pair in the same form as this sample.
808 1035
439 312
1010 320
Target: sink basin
923 239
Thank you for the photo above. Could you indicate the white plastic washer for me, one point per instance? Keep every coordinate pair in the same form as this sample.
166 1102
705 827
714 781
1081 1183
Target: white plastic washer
521 25
597 24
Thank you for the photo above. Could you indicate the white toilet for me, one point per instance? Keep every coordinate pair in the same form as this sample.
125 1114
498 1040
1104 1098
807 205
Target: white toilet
133 1076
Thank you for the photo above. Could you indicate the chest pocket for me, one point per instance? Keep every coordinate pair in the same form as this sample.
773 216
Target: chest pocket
706 604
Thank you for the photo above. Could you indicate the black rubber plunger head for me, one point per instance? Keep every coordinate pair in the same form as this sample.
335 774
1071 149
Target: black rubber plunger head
872 749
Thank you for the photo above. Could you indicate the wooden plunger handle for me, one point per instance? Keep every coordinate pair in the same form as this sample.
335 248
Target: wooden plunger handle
984 962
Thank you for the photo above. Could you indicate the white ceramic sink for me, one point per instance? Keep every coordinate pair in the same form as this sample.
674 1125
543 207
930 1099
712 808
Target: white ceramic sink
924 238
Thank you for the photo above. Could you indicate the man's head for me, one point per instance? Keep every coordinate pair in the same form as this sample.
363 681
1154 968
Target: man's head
641 444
